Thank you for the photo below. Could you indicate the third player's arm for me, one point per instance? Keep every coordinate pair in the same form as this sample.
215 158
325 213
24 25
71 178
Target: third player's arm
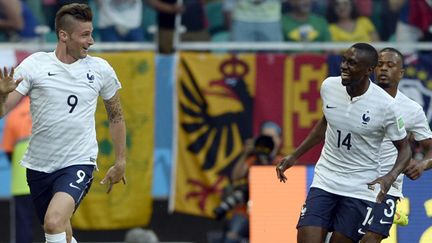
415 168
426 145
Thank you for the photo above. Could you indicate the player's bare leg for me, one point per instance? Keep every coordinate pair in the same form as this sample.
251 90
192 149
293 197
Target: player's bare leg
371 237
69 232
311 234
59 212
339 238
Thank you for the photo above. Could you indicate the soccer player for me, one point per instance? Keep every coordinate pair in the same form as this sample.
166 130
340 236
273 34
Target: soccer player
346 185
63 87
389 72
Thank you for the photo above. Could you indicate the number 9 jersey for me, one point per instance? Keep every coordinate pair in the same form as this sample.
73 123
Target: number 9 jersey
63 99
355 130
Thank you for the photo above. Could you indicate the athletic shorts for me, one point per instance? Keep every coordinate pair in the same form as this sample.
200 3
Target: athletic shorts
74 180
383 215
346 215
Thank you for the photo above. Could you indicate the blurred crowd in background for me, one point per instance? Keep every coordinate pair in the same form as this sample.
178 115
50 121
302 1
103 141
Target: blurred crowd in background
227 20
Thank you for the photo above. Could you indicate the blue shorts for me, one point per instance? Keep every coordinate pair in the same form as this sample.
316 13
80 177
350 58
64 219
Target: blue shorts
74 180
346 215
383 215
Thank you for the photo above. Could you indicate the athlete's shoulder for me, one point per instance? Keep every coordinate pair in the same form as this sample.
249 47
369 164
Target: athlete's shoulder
381 94
406 102
37 57
333 80
96 61
331 83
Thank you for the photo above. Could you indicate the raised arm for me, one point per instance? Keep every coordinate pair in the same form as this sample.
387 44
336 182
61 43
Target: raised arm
315 136
8 96
118 134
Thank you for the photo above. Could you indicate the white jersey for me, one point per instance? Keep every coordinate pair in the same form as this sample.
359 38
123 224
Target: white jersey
415 123
355 130
63 100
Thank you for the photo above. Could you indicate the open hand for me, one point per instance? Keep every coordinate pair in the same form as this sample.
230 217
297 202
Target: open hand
7 83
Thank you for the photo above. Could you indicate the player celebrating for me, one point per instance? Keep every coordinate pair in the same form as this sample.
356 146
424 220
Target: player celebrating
389 72
357 116
63 87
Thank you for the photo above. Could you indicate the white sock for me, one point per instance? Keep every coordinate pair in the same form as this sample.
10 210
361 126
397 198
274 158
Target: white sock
74 240
55 238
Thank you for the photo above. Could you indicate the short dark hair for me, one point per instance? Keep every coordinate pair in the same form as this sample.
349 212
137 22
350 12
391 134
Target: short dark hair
370 51
73 11
396 51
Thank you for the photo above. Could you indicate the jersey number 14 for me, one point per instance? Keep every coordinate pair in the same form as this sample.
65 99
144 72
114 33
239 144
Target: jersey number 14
346 141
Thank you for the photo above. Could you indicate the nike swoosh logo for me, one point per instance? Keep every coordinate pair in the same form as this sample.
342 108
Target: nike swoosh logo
72 185
330 107
385 222
51 74
360 231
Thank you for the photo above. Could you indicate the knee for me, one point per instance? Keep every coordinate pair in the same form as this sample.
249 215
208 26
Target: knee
54 223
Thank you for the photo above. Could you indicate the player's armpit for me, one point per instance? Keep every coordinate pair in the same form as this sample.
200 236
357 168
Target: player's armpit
114 109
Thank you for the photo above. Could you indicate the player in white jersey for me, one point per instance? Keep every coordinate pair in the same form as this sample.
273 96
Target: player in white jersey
357 116
63 87
389 72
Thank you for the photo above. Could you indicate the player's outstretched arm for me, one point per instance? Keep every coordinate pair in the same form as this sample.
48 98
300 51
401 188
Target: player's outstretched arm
402 161
315 136
8 85
116 173
415 168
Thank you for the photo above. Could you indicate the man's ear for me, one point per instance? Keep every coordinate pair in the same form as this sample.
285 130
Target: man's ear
63 36
401 74
371 71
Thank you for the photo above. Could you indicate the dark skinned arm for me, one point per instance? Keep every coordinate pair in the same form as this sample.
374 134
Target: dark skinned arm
402 161
416 168
316 136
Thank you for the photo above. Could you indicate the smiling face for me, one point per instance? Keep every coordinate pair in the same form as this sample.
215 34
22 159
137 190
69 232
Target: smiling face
77 39
389 70
354 67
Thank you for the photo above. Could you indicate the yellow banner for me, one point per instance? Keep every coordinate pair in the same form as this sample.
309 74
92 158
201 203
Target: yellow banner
127 205
215 95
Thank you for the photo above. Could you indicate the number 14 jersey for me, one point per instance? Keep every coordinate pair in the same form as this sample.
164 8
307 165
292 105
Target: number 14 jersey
355 130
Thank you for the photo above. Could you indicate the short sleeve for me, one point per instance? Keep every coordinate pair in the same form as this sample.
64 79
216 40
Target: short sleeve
110 83
24 71
323 88
420 127
394 123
